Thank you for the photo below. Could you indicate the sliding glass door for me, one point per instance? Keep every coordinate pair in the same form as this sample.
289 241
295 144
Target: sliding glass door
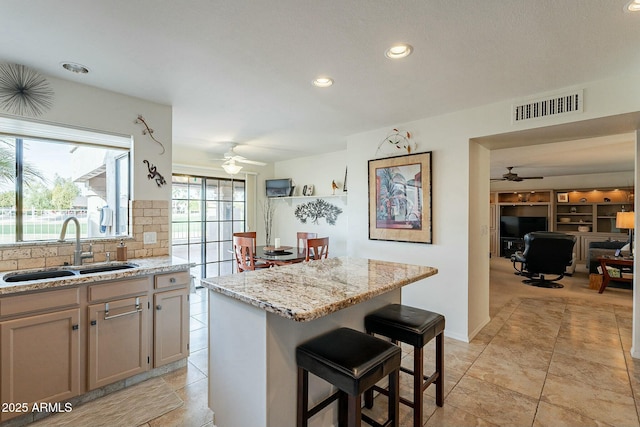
205 214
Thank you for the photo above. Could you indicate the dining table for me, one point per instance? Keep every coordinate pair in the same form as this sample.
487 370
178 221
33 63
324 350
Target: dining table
280 255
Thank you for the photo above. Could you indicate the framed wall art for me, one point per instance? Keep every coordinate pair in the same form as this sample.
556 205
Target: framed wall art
563 197
400 198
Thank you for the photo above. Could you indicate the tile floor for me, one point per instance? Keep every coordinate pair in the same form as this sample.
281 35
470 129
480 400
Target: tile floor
549 357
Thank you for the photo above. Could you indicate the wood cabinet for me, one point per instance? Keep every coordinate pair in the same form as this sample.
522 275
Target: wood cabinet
118 340
170 337
61 343
171 318
39 359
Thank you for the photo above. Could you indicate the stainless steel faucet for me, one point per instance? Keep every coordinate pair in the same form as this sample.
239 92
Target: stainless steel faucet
78 255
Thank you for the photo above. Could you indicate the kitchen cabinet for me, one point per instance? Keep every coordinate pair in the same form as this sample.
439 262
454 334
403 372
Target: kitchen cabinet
118 340
60 343
39 352
171 318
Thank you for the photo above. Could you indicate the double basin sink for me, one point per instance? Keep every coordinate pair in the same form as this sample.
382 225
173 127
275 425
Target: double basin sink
64 272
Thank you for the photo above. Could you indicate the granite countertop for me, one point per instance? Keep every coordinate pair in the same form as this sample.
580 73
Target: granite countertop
145 266
310 290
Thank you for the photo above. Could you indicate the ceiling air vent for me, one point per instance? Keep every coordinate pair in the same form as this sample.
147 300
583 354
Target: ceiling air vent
547 107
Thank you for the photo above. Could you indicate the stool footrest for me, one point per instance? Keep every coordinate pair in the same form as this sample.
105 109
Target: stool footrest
428 380
384 391
374 423
326 402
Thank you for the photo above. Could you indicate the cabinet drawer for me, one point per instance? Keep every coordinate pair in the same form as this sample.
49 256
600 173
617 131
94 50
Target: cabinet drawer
171 280
45 300
121 288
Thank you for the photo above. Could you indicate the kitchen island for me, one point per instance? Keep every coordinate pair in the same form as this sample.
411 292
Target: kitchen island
257 318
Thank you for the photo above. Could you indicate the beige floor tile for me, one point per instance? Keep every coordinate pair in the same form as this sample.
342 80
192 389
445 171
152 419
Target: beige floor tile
184 376
543 338
198 307
520 353
610 356
587 372
609 338
196 324
493 403
198 339
549 415
200 359
593 402
202 317
510 375
195 411
449 415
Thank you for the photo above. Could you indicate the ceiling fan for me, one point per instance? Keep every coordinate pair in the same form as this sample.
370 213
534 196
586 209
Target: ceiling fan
511 176
230 158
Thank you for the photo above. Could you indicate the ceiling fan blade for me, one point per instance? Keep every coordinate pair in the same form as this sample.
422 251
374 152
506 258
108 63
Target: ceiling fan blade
531 177
249 162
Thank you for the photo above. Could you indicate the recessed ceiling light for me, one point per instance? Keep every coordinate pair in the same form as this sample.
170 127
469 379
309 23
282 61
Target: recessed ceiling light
633 6
323 82
398 51
75 68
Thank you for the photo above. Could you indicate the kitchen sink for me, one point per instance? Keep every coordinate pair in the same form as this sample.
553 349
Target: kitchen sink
37 275
105 268
64 272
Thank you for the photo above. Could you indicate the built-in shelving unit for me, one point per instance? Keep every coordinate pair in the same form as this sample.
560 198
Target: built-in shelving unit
591 210
319 196
299 199
589 214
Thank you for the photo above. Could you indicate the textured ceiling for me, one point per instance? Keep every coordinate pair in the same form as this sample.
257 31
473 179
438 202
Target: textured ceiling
241 70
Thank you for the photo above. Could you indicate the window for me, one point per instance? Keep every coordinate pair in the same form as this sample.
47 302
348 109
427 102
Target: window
43 182
205 214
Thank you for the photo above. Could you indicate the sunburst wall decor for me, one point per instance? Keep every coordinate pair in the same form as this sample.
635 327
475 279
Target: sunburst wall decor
23 91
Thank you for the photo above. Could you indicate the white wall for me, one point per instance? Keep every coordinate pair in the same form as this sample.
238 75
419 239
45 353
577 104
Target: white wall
319 171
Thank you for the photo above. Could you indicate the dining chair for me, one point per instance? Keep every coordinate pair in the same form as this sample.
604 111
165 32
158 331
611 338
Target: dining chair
317 248
251 234
303 236
243 248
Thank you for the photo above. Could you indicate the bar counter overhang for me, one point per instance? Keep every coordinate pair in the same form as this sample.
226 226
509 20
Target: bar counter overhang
257 318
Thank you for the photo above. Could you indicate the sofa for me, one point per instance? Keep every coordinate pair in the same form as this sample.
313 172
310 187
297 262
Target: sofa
598 249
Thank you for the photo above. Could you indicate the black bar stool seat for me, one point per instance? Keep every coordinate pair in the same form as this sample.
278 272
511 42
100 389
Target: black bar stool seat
353 362
415 327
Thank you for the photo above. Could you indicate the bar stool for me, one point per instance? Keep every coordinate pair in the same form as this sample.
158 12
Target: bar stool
415 327
352 361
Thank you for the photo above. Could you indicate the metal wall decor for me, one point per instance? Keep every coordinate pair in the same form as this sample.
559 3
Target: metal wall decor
148 131
396 140
317 209
154 174
24 92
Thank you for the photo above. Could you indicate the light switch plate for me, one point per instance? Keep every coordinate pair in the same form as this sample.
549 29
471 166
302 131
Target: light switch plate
150 237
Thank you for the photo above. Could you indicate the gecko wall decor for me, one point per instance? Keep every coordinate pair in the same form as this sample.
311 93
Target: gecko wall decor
154 174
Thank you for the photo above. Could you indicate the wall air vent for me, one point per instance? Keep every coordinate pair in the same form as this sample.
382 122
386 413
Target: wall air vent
551 106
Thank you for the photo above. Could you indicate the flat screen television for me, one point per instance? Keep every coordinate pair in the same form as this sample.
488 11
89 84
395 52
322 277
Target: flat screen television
279 187
518 226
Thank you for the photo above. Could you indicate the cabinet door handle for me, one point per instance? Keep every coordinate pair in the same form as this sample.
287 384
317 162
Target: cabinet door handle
94 323
172 280
106 310
74 327
158 307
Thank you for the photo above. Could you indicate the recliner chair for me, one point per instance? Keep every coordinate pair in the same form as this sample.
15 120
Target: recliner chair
545 252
